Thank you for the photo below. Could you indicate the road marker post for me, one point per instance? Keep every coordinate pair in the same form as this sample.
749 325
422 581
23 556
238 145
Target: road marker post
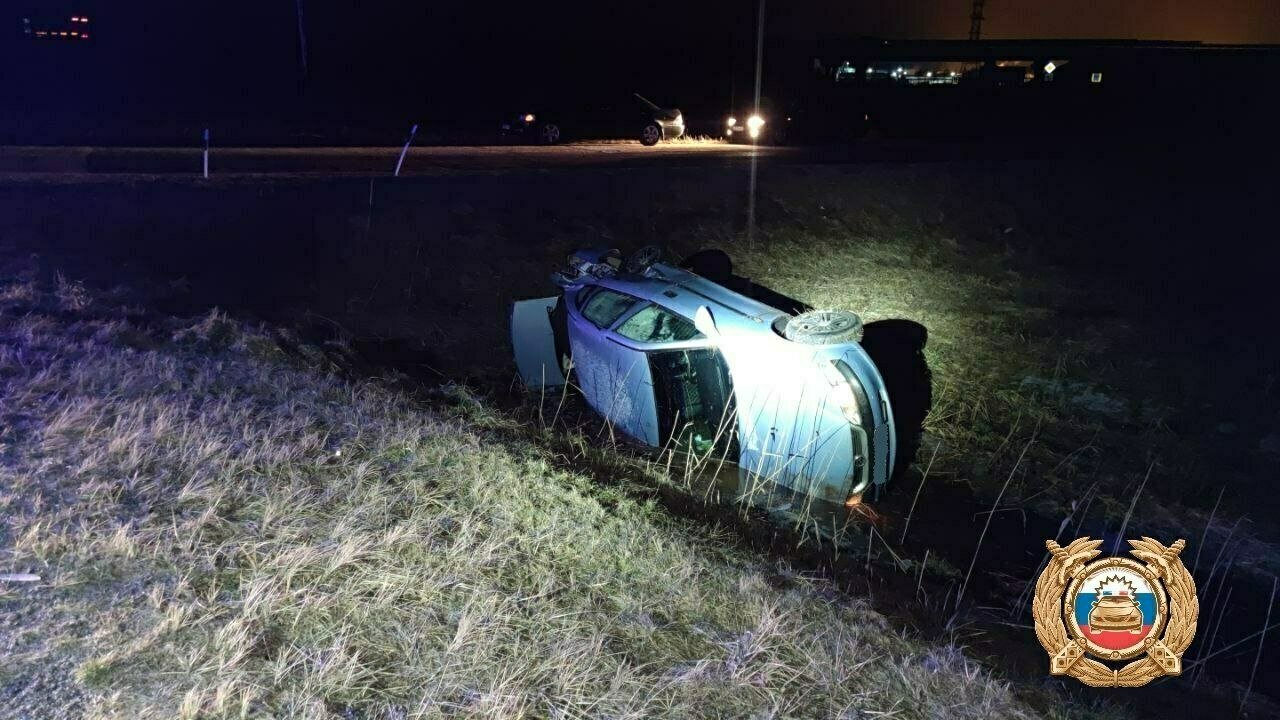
412 132
206 153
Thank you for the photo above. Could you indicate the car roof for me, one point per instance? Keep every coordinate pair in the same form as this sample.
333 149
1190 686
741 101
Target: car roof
683 292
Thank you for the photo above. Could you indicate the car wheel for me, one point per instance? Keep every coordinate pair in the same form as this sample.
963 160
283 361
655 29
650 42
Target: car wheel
650 135
640 260
897 349
824 327
549 134
712 264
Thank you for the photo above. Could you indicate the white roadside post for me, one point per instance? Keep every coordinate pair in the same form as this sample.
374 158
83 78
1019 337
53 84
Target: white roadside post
413 131
206 153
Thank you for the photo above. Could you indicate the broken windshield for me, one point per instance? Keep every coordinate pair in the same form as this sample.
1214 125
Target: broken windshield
654 324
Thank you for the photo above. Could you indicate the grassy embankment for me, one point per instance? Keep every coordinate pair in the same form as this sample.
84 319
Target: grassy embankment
223 527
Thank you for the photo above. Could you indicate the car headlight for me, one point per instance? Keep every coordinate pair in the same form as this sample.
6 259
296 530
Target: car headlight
529 118
846 392
755 122
732 121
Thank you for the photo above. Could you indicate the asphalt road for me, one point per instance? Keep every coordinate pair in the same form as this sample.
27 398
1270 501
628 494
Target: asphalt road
444 159
378 160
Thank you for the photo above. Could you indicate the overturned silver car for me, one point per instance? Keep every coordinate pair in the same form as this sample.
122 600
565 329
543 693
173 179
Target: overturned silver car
674 359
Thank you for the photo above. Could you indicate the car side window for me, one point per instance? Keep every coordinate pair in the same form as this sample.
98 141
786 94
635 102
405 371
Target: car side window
604 307
654 324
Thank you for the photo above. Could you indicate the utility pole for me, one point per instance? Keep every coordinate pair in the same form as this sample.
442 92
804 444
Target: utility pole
302 40
975 20
759 54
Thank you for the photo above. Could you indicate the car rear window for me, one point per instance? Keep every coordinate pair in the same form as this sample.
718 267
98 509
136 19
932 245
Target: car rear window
604 307
654 324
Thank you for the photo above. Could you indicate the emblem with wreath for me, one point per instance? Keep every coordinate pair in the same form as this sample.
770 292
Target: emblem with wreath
1159 655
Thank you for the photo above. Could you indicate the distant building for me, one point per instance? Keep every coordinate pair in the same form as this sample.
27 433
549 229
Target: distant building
55 27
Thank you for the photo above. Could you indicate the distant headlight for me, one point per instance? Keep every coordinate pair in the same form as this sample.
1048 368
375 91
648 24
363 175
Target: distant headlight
755 122
732 121
529 118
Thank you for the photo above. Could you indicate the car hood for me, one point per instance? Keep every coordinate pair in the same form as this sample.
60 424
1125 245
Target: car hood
785 415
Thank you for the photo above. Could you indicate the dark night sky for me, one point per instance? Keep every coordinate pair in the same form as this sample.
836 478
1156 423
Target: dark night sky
419 57
1217 21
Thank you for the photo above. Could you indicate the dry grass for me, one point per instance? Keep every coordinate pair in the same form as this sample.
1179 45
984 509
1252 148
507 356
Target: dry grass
683 140
223 527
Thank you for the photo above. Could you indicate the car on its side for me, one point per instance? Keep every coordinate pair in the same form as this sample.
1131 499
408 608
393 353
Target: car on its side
548 121
673 358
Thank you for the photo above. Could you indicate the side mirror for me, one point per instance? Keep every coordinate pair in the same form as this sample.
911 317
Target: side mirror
705 323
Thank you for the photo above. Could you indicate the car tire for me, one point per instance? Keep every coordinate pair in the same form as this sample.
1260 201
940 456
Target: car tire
897 349
640 260
712 264
824 327
549 134
650 134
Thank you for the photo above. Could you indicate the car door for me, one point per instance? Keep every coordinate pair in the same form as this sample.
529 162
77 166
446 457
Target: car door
533 340
614 379
691 387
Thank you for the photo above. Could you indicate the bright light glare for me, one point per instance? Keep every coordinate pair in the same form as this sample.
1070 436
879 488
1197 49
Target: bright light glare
755 121
732 121
529 118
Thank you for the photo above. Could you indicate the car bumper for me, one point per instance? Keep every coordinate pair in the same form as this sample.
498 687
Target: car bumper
518 131
874 457
742 134
671 131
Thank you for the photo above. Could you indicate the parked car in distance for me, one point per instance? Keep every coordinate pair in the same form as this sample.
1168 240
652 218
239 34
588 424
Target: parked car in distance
766 124
672 358
633 116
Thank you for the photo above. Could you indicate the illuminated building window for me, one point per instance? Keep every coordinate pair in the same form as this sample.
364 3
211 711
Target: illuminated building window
53 26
